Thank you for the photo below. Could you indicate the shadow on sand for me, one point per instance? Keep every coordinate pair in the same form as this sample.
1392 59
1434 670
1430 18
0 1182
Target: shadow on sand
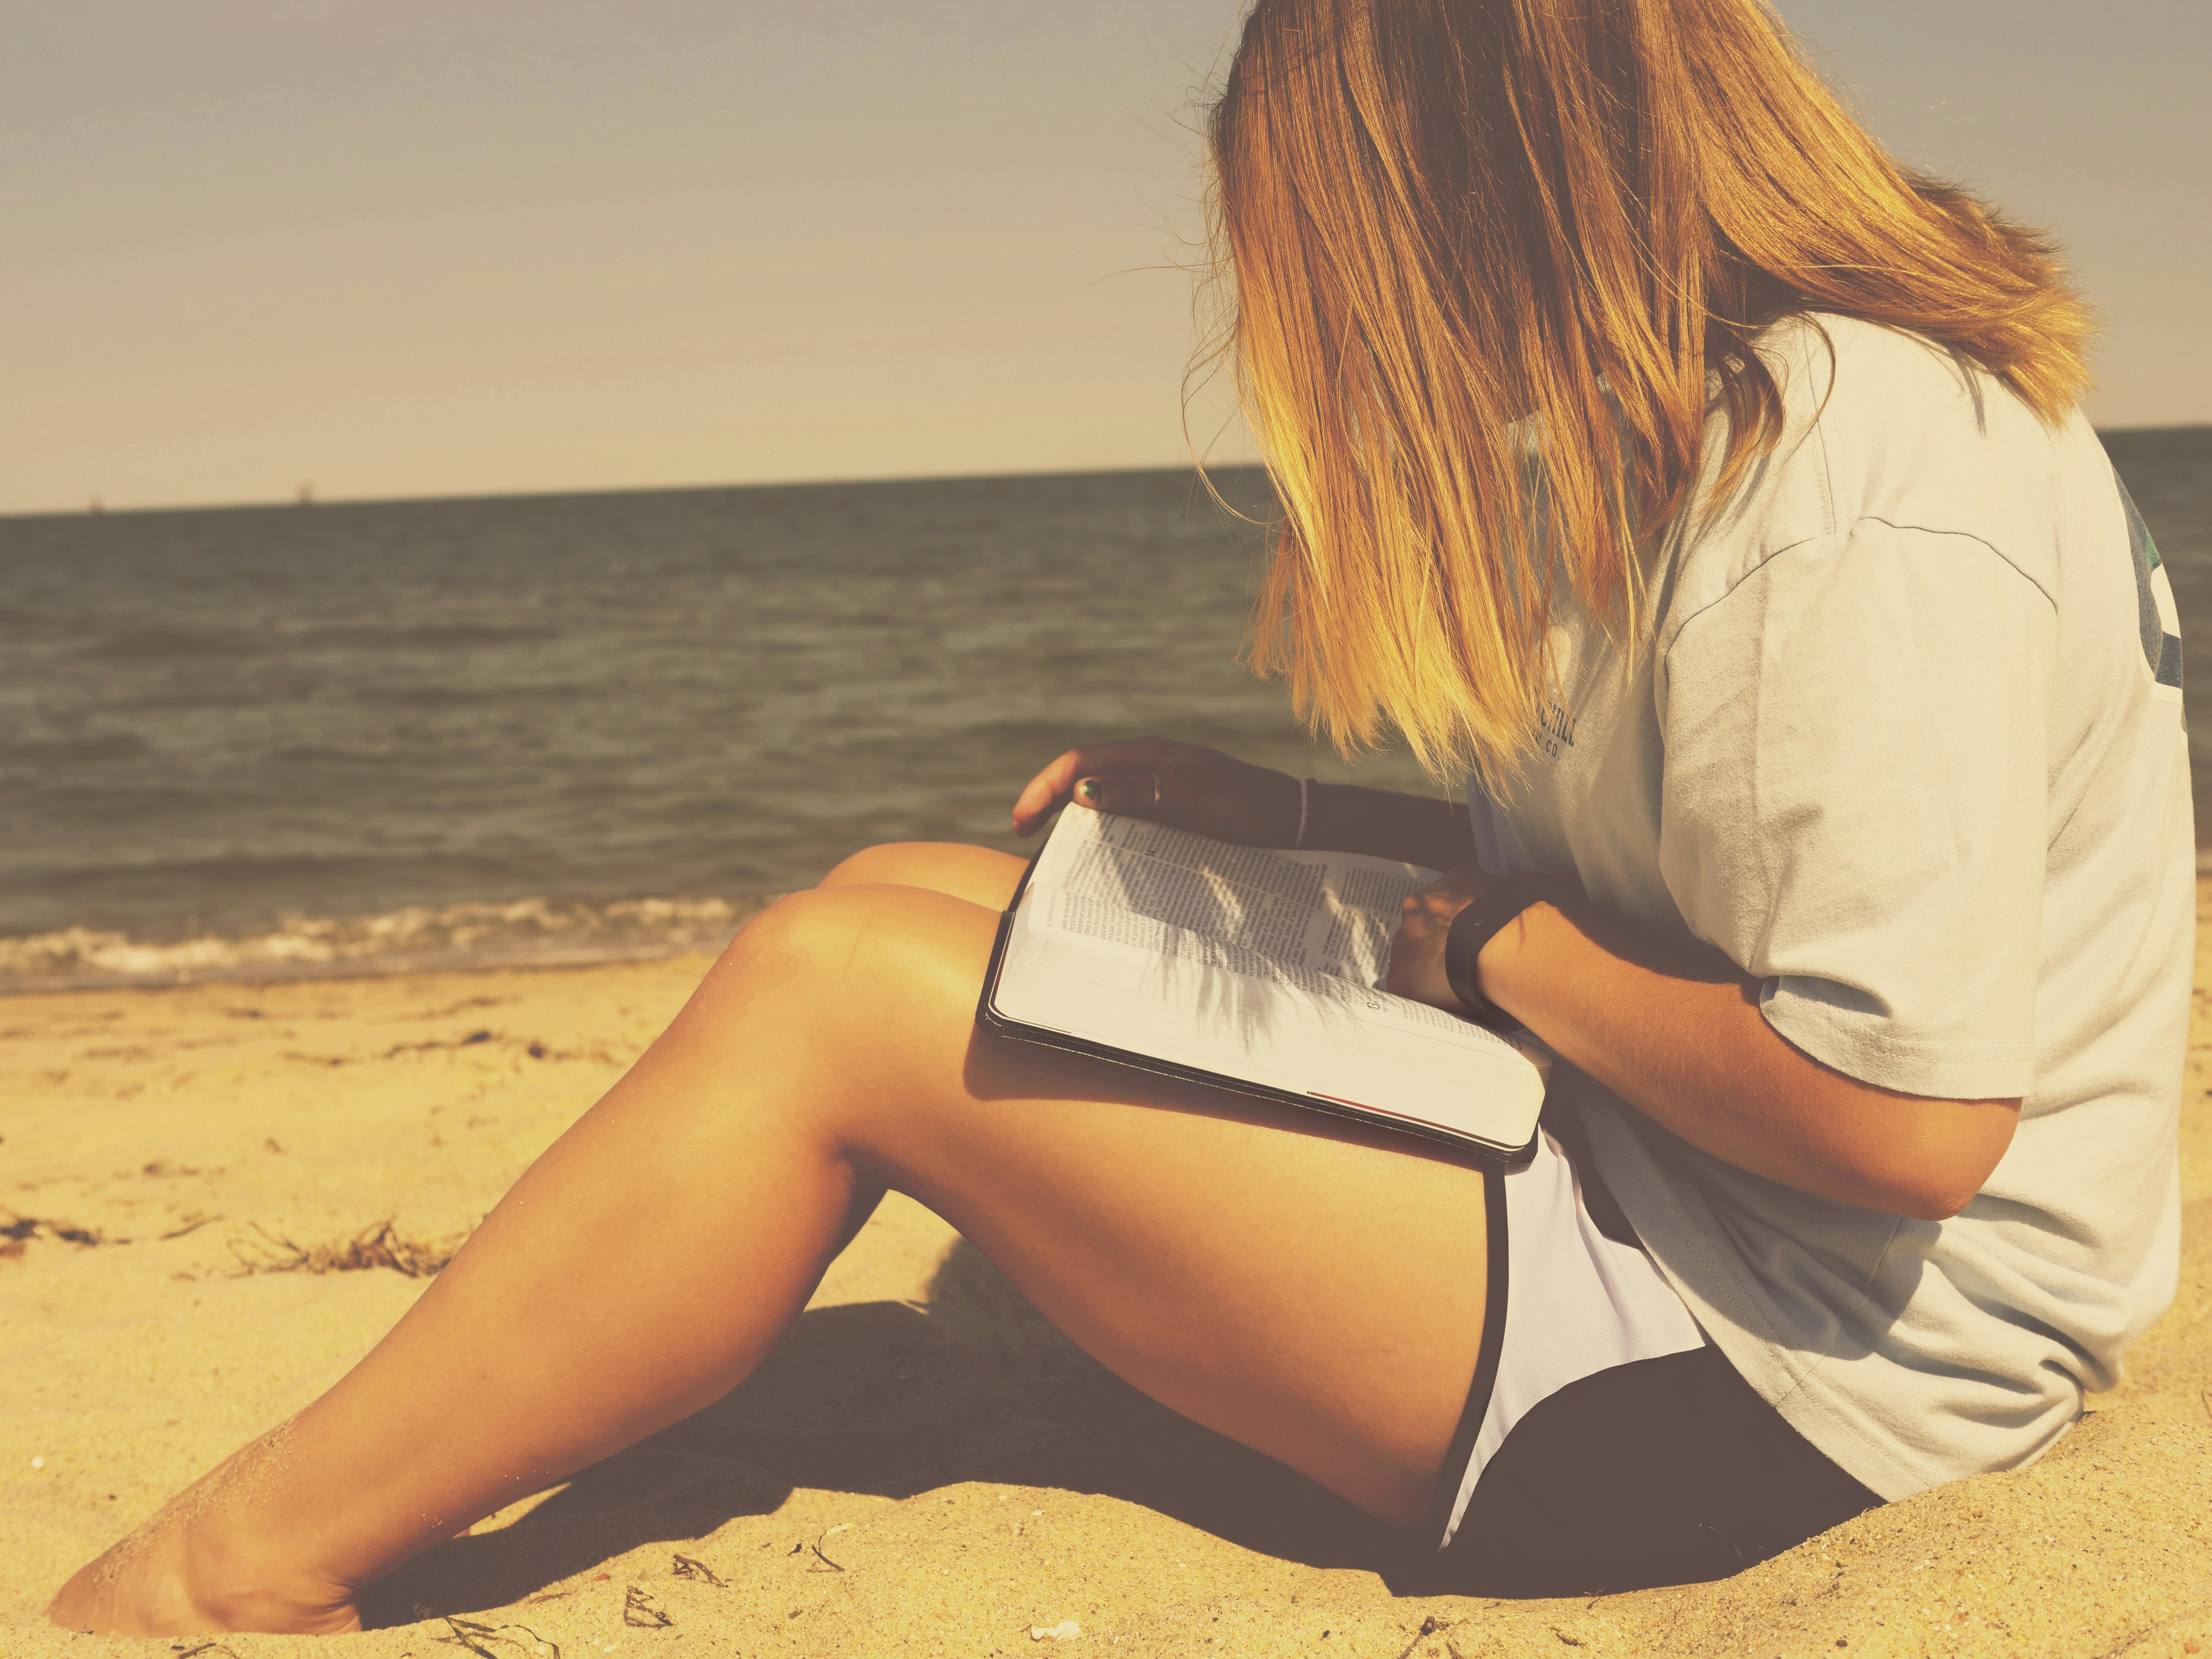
884 1398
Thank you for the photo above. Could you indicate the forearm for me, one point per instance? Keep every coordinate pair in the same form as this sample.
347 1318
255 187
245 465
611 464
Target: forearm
1383 824
1687 1045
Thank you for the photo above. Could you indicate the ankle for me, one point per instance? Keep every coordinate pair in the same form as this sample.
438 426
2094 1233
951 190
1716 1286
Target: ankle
181 1577
238 1580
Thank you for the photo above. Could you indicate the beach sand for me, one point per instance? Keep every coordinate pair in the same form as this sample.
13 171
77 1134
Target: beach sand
924 1467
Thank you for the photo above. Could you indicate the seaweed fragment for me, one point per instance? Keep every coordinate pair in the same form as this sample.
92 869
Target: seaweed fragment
377 1245
639 1611
23 1228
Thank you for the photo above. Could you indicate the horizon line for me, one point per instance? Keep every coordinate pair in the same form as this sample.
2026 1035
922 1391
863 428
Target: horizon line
826 481
98 508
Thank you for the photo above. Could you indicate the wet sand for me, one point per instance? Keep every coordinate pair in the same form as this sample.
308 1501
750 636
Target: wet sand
924 1467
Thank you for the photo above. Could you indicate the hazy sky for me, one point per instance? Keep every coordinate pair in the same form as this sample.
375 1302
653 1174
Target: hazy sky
457 247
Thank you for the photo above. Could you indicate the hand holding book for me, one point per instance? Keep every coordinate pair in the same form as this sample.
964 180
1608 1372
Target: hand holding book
1219 796
1183 784
1417 949
1251 970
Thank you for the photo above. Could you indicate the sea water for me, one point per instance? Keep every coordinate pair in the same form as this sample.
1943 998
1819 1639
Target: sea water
362 736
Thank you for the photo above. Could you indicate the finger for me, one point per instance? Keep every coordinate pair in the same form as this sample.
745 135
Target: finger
1405 947
1053 788
1395 974
1046 792
1133 794
1416 966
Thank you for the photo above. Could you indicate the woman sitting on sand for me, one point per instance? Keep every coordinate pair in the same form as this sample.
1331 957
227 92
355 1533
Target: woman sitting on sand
1656 451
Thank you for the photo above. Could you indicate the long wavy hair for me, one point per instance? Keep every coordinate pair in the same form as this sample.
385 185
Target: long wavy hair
1489 267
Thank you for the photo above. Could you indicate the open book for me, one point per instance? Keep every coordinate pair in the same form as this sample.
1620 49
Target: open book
1254 970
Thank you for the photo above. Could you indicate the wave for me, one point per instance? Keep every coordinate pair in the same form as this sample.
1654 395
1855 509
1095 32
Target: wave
519 932
88 751
425 636
101 805
174 644
436 697
38 625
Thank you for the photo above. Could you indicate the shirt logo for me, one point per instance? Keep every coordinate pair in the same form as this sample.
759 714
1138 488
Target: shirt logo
1555 730
2159 621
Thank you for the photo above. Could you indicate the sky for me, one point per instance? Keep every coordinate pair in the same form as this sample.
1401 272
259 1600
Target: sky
432 248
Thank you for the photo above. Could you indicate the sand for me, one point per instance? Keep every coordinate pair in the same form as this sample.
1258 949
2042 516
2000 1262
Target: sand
925 1467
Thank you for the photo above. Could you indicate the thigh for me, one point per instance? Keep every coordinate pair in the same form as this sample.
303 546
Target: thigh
1304 1285
975 873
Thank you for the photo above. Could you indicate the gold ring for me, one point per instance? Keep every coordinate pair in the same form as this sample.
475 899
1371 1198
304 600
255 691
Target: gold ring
1156 792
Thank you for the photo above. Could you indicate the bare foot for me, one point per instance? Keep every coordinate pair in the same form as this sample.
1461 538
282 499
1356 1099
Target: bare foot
173 1578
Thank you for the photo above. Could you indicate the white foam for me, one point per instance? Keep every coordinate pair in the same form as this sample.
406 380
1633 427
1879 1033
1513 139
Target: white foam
538 930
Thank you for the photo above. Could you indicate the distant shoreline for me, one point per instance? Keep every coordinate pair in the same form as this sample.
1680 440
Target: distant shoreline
291 503
298 498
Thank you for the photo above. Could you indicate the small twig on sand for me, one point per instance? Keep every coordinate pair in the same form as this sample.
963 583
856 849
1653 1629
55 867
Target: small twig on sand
468 1042
468 1634
685 1567
1430 1626
638 1611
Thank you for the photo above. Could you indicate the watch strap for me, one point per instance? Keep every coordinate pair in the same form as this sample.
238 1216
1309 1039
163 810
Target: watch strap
1481 921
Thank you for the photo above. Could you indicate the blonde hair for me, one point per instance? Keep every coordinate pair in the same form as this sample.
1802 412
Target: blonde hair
1492 261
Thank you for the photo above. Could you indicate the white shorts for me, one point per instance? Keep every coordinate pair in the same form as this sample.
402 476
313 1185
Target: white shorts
1579 1297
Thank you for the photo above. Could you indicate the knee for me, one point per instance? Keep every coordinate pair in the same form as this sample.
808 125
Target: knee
974 873
778 982
851 946
895 863
863 980
803 941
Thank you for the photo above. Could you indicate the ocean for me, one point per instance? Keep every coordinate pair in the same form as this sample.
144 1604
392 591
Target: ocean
272 741
365 737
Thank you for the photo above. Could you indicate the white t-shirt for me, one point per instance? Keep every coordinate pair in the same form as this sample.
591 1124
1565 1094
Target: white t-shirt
1905 742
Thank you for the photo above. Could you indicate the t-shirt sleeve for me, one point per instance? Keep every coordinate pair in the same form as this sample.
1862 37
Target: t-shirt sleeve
1853 804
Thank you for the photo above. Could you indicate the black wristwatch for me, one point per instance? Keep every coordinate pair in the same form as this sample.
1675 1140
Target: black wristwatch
1476 926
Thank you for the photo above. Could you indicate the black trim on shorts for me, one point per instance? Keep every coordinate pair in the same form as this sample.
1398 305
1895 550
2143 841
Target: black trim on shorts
1603 1209
1498 1279
1665 1471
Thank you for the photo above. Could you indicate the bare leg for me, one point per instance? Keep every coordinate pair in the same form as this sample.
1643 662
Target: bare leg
1311 1291
975 873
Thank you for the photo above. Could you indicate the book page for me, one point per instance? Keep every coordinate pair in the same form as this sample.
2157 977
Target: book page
1150 992
1326 913
1085 916
1246 965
